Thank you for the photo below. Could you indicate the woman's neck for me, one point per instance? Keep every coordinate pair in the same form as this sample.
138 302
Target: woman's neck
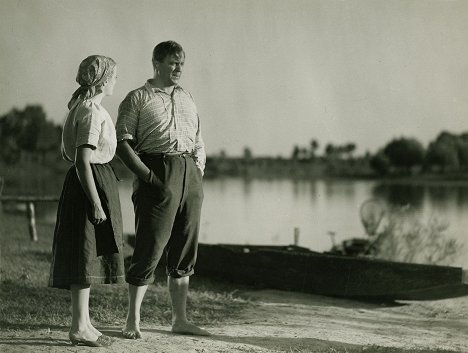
98 98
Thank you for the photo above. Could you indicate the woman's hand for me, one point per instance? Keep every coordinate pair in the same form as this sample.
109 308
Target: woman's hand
98 214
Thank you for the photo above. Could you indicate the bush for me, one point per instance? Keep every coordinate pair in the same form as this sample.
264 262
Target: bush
406 238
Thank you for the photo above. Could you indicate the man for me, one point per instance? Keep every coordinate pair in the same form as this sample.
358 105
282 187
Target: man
159 140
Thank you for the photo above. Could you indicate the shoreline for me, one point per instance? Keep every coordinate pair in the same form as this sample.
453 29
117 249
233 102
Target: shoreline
34 318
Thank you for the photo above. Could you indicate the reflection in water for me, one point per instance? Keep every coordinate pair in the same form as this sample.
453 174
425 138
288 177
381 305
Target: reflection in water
267 211
341 189
247 186
445 195
400 194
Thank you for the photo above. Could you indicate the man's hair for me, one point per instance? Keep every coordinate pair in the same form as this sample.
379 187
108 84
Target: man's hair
163 49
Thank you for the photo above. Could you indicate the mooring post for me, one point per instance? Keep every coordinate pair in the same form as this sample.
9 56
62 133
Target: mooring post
31 213
296 236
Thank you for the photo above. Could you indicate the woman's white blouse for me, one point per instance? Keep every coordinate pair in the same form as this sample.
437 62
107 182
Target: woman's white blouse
88 123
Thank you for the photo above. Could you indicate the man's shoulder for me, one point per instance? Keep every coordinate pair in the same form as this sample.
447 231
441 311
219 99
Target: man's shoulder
137 92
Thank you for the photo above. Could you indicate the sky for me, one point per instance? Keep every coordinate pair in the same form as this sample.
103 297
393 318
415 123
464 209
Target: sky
265 74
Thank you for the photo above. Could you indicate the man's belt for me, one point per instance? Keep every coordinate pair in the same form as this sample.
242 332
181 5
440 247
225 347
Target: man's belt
165 154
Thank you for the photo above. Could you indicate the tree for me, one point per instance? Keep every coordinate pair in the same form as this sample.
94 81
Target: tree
314 145
330 150
295 153
448 151
380 163
405 152
462 151
247 153
27 131
33 124
442 154
349 149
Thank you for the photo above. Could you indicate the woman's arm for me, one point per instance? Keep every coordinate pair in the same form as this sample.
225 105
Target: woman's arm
85 175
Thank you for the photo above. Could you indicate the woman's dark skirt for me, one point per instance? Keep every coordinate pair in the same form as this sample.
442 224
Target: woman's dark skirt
84 253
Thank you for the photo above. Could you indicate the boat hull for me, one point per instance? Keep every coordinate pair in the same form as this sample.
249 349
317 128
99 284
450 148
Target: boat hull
299 269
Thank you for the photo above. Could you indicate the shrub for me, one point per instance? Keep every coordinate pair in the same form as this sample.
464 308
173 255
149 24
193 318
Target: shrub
404 237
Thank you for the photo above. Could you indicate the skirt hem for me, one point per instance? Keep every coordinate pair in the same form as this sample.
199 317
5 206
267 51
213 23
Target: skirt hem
65 283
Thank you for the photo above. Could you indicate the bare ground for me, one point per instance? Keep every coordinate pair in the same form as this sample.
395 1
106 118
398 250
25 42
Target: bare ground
289 322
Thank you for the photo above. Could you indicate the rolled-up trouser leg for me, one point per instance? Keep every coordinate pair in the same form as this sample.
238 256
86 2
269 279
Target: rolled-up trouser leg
183 243
167 213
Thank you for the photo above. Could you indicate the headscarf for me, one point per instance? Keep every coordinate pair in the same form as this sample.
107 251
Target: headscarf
92 73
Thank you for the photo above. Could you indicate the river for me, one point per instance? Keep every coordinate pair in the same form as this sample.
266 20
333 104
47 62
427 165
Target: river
243 211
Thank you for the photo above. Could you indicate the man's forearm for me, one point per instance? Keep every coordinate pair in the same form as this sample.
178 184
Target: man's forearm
128 156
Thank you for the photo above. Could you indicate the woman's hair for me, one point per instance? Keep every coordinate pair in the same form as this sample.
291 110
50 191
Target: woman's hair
93 73
163 49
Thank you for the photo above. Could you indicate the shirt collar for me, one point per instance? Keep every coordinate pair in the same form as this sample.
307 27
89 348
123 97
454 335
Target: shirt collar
152 89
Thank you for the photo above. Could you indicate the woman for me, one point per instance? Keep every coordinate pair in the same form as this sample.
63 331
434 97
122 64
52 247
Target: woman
87 247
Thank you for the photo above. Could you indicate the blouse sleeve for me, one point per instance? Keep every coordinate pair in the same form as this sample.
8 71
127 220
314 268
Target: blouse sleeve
88 127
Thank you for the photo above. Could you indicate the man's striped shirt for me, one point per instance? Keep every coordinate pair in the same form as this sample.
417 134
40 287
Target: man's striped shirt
158 122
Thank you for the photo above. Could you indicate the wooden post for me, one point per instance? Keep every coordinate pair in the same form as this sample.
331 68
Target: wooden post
30 202
296 236
1 190
31 212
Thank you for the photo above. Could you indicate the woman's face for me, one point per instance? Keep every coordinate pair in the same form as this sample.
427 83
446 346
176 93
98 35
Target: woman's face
108 88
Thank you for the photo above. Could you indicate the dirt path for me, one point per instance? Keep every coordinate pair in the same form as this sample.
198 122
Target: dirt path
290 322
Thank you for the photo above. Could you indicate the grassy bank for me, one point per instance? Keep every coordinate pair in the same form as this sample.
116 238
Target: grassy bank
27 302
29 308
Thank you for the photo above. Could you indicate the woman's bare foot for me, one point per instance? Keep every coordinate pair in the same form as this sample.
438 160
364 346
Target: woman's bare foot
187 328
85 335
94 329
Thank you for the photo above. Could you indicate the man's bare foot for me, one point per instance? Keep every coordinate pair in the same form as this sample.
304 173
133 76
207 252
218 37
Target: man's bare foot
186 328
131 331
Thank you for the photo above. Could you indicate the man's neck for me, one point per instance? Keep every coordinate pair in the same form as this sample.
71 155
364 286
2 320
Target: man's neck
158 84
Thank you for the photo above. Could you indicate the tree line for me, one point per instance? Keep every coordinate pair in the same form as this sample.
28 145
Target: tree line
28 134
404 155
447 153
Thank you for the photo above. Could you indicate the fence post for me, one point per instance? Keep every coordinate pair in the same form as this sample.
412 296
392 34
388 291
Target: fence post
1 190
31 212
1 203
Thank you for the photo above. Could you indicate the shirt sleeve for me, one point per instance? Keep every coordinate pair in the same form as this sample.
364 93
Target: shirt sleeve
127 118
88 127
199 150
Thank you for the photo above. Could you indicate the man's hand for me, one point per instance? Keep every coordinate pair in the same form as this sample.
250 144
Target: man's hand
128 156
153 179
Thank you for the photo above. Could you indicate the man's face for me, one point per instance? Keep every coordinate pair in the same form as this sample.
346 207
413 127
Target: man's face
170 69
